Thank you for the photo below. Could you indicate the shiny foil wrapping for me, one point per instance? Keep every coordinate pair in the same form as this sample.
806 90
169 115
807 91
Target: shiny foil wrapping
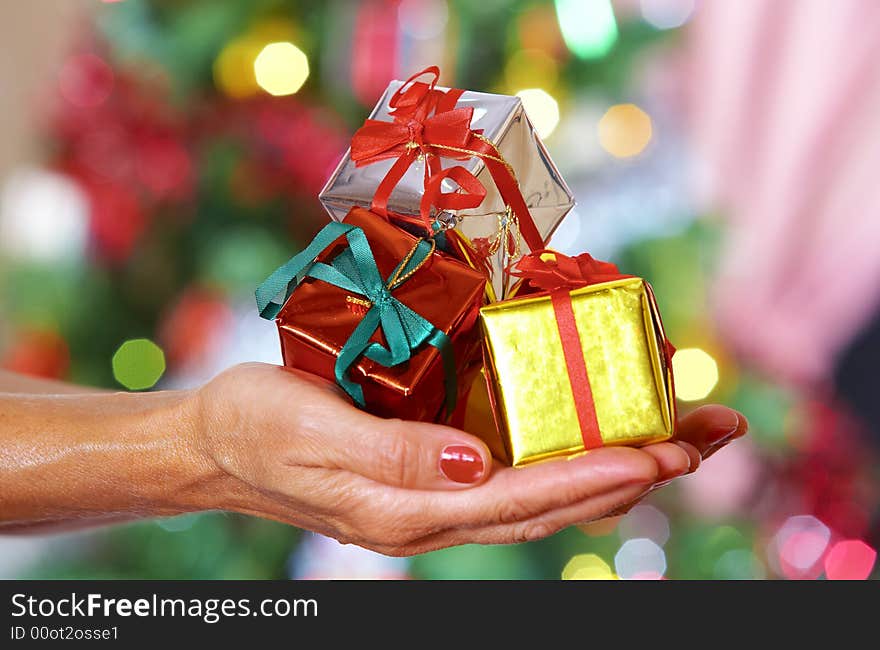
504 122
318 319
623 345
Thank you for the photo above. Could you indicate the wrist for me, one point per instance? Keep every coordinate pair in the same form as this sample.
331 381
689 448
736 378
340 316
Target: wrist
198 482
158 466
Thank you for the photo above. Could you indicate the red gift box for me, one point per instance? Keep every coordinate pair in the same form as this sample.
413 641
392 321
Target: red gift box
318 318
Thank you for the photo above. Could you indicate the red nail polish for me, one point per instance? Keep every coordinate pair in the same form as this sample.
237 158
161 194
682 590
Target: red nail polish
461 464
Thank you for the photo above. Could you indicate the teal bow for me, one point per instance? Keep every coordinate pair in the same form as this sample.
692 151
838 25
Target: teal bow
355 270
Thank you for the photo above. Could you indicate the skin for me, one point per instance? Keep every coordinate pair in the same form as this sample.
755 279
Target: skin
277 443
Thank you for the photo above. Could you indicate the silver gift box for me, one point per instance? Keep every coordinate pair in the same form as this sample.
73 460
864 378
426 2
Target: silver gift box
504 122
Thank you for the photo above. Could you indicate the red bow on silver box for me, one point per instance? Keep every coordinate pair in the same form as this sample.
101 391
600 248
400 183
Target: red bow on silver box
426 123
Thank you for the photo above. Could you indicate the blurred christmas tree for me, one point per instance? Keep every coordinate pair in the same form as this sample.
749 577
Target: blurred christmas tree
188 141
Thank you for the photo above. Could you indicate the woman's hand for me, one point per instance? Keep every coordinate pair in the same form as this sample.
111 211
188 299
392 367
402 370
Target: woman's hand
289 446
277 443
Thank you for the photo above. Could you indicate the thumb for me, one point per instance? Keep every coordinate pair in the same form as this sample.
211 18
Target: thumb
415 455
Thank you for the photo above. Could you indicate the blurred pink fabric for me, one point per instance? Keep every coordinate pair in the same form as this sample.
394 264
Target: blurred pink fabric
785 97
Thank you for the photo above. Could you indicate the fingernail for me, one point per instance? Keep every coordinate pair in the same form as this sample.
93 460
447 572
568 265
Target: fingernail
724 431
667 481
461 464
678 473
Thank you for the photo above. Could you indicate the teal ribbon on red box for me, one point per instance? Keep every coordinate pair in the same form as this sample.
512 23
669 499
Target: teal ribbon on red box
355 270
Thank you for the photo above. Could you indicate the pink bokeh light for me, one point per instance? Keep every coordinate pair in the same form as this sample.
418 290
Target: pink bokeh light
850 559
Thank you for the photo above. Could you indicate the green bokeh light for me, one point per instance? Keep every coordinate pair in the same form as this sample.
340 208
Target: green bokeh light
138 364
588 26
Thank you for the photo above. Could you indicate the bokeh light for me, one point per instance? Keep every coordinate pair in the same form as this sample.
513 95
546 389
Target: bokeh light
531 68
43 217
164 166
587 566
39 352
323 558
576 145
138 364
696 374
538 29
542 109
85 81
644 521
192 328
801 552
423 19
640 559
738 564
850 559
281 68
234 67
797 549
235 258
666 14
374 52
588 26
728 484
625 130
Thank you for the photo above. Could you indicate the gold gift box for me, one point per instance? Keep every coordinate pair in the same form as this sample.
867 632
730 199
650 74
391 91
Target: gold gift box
623 344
